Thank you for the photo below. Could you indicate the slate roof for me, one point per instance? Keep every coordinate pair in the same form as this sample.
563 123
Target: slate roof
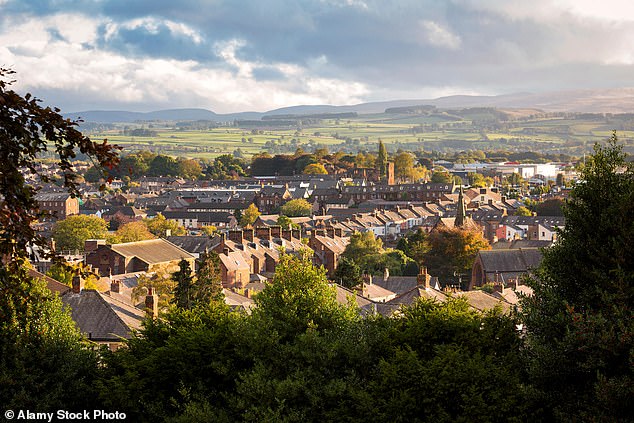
409 297
52 196
195 244
236 301
152 251
518 260
396 284
521 243
52 284
481 301
102 318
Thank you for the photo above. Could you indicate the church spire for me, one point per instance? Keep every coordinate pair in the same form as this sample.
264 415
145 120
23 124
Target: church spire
461 210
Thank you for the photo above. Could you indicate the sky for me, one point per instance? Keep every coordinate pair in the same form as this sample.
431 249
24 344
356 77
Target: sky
258 55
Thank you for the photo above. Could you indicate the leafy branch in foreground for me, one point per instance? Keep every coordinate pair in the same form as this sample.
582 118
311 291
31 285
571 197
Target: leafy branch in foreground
26 130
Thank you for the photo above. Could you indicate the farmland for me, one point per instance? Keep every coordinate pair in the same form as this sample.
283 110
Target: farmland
443 131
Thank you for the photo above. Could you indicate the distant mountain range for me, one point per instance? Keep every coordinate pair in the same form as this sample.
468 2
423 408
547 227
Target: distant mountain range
619 100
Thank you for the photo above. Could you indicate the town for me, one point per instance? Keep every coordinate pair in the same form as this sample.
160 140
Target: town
147 225
317 211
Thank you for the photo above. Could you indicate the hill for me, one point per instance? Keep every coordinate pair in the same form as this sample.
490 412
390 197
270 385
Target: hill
619 100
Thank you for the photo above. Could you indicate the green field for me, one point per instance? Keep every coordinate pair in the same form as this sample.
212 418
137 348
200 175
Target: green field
443 132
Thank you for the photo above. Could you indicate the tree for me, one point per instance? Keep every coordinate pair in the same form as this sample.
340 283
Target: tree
72 232
208 279
452 251
561 180
415 245
189 168
209 230
523 211
348 274
159 226
26 131
365 250
550 207
580 318
131 232
184 290
286 223
381 160
296 208
163 166
299 298
250 215
315 169
43 362
477 180
441 177
162 286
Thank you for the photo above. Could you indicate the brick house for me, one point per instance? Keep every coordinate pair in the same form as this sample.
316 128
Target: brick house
141 256
59 204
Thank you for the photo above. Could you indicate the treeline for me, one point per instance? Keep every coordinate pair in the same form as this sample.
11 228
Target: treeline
281 164
146 163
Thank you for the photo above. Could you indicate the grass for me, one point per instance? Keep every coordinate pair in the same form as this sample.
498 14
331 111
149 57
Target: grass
552 134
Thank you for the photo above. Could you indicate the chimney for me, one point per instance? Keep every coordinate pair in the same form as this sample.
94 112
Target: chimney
53 244
77 283
151 303
263 232
236 236
423 279
248 234
91 245
287 234
276 231
114 284
512 284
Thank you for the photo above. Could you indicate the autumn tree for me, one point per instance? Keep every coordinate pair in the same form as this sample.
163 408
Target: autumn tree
315 169
441 176
26 131
452 251
131 232
189 168
249 216
407 168
72 232
161 227
523 211
296 208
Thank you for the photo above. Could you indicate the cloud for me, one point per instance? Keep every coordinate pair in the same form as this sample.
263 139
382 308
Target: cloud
255 55
438 36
